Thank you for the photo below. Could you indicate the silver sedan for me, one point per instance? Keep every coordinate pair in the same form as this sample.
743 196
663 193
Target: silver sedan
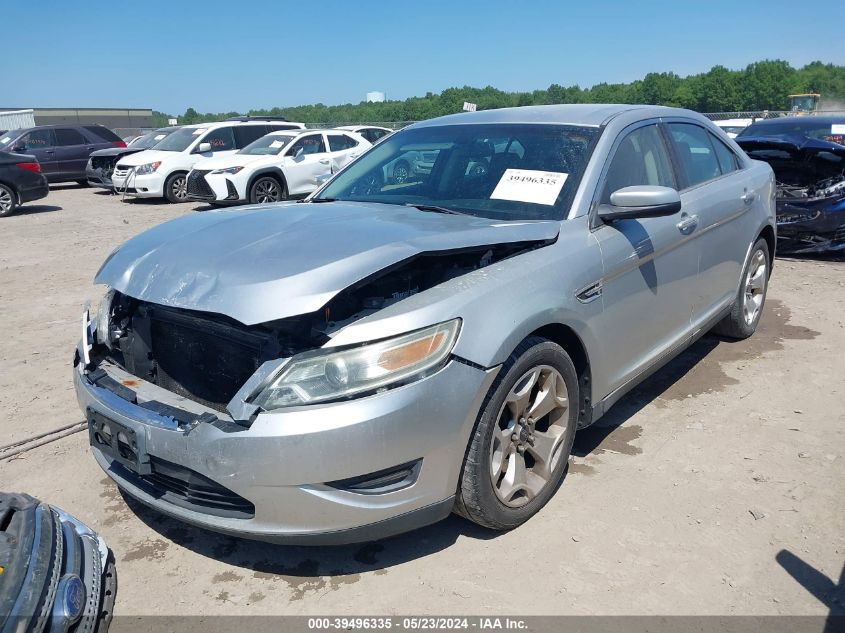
390 352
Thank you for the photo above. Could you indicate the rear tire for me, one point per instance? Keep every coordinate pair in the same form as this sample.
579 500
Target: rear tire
515 462
176 187
8 200
745 313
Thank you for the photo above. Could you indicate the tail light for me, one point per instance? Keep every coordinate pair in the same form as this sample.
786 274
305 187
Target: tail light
119 143
34 167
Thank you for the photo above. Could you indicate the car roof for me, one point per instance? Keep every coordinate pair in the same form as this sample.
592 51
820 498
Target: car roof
216 124
592 114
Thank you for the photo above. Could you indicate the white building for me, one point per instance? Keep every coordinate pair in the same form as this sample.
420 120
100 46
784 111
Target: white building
375 97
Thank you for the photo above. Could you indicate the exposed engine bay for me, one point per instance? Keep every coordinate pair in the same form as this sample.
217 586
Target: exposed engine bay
810 177
208 357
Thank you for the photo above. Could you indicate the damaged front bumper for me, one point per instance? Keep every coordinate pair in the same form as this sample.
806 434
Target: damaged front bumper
812 227
343 472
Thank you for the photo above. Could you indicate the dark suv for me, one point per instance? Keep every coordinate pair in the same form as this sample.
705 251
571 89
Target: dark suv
62 150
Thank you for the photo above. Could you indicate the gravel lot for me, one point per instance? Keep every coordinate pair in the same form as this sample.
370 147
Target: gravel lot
718 487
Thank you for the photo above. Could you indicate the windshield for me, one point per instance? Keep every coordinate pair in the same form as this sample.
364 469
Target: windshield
147 141
500 171
8 137
180 139
267 145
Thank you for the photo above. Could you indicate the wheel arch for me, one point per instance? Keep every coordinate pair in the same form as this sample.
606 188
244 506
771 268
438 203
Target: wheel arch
768 234
275 172
569 340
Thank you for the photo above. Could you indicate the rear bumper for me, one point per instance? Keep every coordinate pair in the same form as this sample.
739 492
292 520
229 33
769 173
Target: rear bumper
34 191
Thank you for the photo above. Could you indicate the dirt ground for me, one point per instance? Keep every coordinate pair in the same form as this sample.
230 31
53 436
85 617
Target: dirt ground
718 487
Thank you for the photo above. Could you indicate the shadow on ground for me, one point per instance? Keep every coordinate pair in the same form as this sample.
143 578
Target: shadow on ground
696 370
28 209
830 593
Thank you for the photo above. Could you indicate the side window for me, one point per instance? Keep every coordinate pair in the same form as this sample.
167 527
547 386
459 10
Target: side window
39 139
311 144
221 139
640 159
727 159
375 135
339 142
246 134
695 152
102 133
69 136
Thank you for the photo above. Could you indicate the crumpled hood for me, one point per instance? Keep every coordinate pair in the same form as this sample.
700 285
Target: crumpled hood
147 156
116 151
794 145
259 264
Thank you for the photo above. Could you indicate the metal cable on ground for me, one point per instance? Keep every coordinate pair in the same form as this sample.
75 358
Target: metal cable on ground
30 443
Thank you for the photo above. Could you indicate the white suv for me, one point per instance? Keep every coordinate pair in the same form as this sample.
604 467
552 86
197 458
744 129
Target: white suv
162 170
275 167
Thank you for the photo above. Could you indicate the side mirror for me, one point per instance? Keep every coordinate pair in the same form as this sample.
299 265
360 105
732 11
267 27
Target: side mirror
202 148
298 152
19 148
640 201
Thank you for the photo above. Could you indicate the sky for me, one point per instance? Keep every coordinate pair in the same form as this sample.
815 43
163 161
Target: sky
233 56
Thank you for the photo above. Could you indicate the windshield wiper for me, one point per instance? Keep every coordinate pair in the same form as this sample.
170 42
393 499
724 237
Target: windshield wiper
433 208
316 200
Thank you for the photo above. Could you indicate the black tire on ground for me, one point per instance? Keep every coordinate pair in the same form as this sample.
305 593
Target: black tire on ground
735 325
176 187
267 189
476 499
8 200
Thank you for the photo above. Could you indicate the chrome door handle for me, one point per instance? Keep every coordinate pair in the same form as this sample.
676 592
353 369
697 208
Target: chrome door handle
688 224
748 197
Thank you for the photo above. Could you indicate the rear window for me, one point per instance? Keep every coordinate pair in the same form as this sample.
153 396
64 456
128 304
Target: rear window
102 132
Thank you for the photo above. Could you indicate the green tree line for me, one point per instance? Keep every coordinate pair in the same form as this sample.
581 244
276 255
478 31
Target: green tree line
762 85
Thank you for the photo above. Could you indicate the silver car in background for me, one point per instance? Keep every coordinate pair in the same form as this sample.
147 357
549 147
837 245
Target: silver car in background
386 353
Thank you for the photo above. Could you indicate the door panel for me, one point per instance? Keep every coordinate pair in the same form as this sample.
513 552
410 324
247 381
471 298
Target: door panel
301 172
72 150
41 144
716 195
649 264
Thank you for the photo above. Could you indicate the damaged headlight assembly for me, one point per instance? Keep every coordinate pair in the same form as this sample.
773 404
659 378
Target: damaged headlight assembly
143 170
328 375
104 319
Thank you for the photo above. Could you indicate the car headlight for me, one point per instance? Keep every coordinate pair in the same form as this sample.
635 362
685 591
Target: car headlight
227 170
103 319
330 375
149 168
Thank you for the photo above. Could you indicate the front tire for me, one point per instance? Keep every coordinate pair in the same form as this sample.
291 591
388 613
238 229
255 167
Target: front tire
748 307
267 189
519 450
176 187
8 200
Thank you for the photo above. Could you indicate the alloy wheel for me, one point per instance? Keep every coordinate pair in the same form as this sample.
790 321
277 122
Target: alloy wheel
180 187
267 190
527 441
755 287
6 201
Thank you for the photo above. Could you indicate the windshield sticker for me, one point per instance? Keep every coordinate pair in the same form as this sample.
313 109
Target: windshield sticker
200 131
837 128
529 185
277 144
158 137
4 140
